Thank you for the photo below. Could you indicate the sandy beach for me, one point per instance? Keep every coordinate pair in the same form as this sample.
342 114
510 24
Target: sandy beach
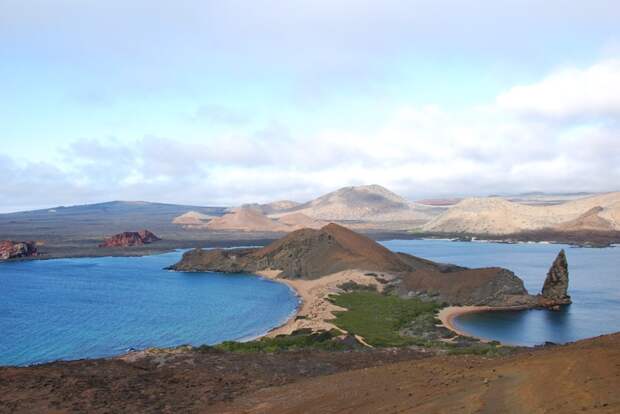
315 310
448 314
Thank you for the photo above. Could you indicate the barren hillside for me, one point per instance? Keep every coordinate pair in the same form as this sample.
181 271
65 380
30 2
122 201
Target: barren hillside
496 215
246 219
365 203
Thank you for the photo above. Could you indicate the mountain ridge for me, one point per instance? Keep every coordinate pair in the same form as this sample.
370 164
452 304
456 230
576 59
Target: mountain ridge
495 215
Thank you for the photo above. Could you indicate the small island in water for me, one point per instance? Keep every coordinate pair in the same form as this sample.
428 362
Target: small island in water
319 260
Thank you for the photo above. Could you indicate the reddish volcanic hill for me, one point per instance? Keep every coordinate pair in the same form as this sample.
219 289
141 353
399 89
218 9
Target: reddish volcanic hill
12 249
314 253
130 238
305 253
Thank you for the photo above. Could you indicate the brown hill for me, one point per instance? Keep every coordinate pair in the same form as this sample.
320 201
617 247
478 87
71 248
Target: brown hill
304 253
590 220
298 221
491 286
273 207
312 254
496 216
246 219
583 377
366 203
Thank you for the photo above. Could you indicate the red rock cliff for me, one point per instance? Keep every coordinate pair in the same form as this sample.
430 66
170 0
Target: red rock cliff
130 238
12 249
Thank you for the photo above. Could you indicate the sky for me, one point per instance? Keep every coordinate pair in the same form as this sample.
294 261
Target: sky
225 102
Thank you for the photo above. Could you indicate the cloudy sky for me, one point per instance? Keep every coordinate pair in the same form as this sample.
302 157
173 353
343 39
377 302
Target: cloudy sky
223 102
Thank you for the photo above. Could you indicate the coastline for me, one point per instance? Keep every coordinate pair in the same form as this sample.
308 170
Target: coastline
315 311
448 314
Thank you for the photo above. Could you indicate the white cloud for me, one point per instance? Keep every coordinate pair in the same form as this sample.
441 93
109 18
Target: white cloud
569 93
418 151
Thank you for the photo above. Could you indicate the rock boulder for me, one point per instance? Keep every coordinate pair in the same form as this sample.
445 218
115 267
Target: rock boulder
130 238
555 289
12 249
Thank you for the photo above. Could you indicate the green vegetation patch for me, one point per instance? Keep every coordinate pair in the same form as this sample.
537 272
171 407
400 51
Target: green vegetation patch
351 286
378 318
302 339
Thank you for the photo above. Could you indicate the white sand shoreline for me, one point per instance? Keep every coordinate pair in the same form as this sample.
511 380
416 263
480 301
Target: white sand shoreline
314 311
448 315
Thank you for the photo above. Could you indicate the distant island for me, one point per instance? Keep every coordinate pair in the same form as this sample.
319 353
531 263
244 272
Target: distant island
588 220
130 238
315 261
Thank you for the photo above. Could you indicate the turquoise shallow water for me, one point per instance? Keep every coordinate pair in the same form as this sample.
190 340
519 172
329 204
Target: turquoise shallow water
97 307
594 288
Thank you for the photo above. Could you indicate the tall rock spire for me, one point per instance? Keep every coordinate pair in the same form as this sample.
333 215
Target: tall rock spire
556 285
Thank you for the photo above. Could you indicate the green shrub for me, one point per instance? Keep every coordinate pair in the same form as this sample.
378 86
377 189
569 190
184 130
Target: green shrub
323 340
379 318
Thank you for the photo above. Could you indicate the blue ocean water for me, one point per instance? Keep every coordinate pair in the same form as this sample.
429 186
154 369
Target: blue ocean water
594 287
97 307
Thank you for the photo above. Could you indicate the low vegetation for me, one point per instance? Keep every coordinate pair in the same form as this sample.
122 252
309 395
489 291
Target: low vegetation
382 320
489 349
379 319
352 286
302 339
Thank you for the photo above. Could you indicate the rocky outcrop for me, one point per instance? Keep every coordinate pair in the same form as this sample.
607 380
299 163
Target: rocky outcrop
311 254
555 289
367 203
16 249
498 216
305 253
493 286
130 238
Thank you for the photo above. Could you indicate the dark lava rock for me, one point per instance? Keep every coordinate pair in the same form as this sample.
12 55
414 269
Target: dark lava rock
130 238
556 285
493 286
14 249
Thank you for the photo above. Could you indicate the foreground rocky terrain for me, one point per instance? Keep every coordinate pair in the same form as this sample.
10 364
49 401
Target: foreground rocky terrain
576 378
